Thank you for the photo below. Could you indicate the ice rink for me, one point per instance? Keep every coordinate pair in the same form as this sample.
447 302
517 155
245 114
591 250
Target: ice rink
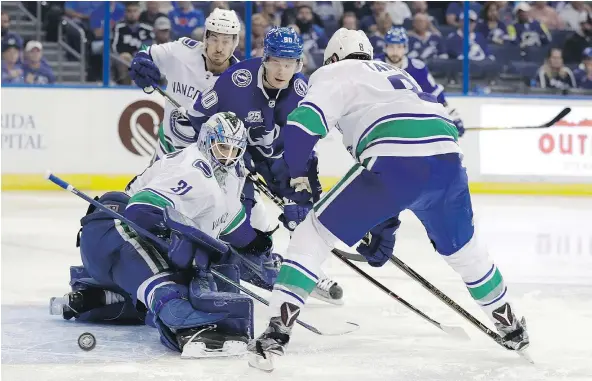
543 247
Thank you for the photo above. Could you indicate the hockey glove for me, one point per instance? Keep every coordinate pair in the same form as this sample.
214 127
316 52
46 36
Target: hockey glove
294 214
144 72
457 121
297 189
381 242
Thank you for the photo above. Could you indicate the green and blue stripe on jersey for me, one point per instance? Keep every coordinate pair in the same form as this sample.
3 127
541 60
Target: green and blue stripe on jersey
149 196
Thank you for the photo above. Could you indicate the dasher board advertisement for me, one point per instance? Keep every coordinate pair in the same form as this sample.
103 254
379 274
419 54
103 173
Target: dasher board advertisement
564 149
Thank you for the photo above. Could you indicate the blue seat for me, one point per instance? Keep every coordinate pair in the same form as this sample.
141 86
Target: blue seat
536 54
441 67
559 37
446 30
505 53
527 70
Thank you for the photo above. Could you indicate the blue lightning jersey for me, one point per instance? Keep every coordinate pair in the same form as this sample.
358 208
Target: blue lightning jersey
419 71
240 90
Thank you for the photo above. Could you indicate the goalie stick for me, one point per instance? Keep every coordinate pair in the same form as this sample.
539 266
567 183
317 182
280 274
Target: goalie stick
451 330
65 185
550 123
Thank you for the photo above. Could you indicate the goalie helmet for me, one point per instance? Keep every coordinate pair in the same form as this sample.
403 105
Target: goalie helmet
223 21
344 43
223 140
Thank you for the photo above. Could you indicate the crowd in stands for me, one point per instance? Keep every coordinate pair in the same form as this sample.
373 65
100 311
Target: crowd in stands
544 44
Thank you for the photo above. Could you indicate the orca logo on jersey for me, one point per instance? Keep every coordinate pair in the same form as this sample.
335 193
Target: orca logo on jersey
300 87
138 127
204 167
242 78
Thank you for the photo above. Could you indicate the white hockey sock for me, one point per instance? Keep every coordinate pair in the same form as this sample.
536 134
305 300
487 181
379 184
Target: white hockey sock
480 274
309 247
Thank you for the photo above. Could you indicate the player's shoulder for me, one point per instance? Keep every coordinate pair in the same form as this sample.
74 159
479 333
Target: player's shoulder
343 68
188 43
417 64
120 25
241 75
300 85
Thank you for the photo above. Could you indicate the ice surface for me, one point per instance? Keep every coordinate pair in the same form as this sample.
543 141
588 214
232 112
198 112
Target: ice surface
542 245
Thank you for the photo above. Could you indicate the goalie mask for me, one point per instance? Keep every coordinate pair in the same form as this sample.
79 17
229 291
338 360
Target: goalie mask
223 140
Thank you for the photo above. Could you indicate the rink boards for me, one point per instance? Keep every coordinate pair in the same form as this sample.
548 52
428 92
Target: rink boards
98 139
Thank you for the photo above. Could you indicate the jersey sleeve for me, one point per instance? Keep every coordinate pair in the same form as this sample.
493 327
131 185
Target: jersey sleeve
163 54
427 82
317 114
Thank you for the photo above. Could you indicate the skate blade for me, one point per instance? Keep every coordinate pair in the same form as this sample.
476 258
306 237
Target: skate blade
337 302
525 355
197 350
259 362
56 305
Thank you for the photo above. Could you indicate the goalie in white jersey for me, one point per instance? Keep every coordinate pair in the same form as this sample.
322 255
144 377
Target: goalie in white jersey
407 157
190 67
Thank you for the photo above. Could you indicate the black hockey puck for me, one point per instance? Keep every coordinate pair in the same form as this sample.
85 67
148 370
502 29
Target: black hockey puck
87 341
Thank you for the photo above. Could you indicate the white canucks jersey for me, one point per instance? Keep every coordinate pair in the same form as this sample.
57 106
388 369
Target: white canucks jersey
185 180
379 108
183 63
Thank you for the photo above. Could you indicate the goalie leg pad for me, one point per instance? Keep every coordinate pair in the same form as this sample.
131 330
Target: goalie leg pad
237 308
230 271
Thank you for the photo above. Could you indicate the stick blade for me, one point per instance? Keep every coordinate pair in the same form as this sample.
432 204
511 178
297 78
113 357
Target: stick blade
457 332
559 116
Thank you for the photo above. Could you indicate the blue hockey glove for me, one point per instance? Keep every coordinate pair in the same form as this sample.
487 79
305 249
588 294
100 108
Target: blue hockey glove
144 72
381 242
294 214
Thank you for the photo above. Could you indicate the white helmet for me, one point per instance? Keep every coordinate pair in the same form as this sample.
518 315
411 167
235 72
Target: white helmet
223 21
223 140
345 42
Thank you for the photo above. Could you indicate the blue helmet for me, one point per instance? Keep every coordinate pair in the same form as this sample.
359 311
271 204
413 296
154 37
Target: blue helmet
396 36
282 43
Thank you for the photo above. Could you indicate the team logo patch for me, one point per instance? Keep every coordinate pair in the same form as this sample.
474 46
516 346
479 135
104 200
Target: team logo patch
242 78
300 87
204 167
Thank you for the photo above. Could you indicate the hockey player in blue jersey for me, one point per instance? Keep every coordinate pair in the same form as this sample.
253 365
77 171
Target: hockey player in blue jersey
262 92
397 46
126 277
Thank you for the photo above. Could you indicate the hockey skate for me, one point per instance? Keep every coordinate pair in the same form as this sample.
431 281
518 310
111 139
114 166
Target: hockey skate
328 291
274 340
512 330
206 341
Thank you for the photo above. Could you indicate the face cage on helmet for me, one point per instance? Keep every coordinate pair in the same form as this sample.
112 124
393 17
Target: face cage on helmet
217 138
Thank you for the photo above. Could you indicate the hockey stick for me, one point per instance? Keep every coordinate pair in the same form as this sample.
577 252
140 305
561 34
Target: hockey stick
550 123
141 231
452 330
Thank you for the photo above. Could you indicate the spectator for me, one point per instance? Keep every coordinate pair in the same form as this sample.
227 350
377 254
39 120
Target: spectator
80 11
478 50
526 31
546 15
368 23
12 70
384 24
7 34
573 14
313 35
583 73
186 19
97 19
128 37
259 26
424 44
554 74
162 30
490 25
271 12
455 9
350 21
422 7
506 12
151 13
328 11
219 4
36 71
398 11
575 45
